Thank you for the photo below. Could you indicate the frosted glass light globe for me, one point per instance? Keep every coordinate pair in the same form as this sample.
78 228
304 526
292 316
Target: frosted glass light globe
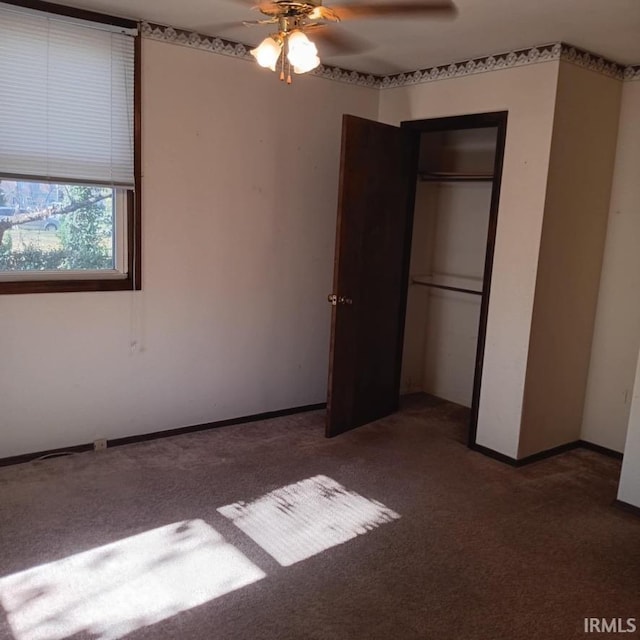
267 53
302 54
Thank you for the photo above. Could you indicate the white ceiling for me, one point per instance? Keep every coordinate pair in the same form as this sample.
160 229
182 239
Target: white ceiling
607 27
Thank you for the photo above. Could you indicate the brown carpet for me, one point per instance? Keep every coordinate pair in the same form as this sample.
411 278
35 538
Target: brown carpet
480 550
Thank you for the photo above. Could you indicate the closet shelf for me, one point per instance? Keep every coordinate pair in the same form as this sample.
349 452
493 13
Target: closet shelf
445 176
449 283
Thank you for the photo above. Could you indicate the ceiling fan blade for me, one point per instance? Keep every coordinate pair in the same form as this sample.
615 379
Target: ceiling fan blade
219 28
391 9
266 6
333 41
254 3
323 13
253 23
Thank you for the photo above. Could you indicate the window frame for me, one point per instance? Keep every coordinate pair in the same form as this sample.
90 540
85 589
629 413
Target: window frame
132 280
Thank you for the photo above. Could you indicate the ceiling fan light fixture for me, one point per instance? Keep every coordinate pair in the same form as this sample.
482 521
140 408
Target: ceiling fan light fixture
302 53
311 65
267 53
289 48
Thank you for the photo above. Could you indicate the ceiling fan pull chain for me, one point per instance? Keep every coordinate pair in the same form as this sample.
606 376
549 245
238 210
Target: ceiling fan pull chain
285 59
282 65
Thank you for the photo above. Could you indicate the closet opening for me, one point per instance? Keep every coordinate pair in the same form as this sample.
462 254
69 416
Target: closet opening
452 230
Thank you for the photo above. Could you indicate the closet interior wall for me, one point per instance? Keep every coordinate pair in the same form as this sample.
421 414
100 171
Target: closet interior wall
449 242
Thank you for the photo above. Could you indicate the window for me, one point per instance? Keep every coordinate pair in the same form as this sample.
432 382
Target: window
69 150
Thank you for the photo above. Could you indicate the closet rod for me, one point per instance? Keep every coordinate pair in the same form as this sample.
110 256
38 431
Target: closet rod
446 288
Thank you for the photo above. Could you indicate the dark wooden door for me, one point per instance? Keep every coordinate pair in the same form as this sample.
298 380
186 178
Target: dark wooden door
377 188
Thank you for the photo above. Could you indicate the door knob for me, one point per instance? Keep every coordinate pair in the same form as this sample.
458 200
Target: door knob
336 300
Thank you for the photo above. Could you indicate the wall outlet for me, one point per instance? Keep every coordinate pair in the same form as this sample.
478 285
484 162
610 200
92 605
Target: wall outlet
100 444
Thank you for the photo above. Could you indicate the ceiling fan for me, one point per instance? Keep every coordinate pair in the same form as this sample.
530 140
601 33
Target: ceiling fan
289 47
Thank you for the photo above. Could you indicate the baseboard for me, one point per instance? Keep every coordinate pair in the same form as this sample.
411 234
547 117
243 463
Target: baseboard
599 449
117 442
496 455
629 508
548 453
49 453
521 462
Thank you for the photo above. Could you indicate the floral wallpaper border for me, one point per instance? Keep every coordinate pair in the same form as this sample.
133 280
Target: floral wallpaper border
632 72
238 50
509 59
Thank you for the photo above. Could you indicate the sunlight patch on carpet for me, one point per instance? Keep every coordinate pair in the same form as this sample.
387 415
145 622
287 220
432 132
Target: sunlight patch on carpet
113 590
303 519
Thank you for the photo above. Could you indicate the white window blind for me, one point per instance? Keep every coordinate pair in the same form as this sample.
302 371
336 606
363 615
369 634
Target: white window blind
66 100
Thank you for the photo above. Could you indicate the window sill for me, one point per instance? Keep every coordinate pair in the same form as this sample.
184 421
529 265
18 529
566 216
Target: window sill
68 285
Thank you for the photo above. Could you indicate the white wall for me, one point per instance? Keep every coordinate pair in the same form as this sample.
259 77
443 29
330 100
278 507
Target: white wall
528 93
583 151
618 322
629 488
239 202
617 329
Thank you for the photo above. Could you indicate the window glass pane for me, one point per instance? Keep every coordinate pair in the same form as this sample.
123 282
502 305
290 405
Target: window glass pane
56 227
